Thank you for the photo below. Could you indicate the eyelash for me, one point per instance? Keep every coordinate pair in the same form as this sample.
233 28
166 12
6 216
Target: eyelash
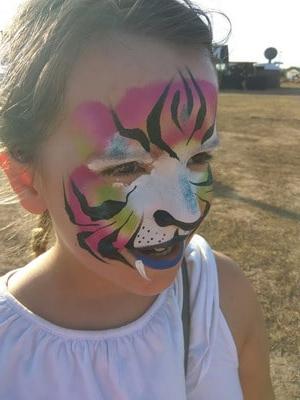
134 168
200 159
130 168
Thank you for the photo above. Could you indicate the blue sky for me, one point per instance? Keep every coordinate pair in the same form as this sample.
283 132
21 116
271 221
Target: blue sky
256 25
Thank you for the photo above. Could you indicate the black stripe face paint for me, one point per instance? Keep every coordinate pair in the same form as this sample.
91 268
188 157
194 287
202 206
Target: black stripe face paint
138 185
154 127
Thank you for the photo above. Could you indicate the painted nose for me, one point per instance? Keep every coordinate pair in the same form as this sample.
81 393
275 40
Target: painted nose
163 218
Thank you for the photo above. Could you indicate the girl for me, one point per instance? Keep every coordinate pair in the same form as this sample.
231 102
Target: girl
108 115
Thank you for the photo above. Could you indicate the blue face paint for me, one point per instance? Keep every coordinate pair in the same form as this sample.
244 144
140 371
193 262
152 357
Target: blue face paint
188 195
184 116
118 148
163 263
151 132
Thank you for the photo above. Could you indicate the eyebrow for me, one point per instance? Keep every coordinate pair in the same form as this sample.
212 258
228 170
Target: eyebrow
122 156
133 134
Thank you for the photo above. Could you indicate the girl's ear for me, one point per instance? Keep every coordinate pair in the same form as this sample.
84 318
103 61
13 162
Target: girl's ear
21 180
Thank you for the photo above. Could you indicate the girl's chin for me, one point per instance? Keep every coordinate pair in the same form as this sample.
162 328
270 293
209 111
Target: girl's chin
151 281
143 274
155 283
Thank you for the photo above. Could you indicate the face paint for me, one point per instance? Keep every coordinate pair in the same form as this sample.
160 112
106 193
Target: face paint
137 210
139 265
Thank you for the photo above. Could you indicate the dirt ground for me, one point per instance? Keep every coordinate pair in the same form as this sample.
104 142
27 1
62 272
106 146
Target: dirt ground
254 219
256 214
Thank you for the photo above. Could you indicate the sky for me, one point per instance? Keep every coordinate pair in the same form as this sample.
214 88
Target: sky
256 25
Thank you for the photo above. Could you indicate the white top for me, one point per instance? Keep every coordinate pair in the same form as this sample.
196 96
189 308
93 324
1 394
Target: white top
143 360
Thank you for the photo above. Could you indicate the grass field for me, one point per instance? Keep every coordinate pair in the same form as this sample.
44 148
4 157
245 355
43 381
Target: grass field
255 217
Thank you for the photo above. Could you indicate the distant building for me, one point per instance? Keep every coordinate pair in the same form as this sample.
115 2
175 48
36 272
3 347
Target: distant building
245 75
267 75
292 74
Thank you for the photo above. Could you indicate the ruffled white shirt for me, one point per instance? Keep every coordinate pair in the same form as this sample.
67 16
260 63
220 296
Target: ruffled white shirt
143 360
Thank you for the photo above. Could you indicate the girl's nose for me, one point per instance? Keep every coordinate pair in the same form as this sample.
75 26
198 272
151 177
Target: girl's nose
163 218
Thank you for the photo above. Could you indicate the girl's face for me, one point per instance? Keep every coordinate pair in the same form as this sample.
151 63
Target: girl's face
127 174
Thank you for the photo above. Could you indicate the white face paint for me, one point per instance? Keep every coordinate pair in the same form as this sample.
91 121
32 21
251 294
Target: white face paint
167 188
139 265
151 186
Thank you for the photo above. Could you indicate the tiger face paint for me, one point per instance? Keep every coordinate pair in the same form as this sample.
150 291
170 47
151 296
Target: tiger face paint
144 185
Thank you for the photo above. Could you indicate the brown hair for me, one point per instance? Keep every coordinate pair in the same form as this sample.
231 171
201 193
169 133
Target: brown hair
44 41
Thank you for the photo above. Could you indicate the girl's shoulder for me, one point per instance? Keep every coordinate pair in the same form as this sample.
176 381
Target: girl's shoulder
236 296
243 313
222 278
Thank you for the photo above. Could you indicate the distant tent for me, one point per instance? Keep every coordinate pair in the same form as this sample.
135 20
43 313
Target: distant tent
292 73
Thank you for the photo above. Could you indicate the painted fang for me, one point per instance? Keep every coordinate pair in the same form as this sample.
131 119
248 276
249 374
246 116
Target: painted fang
145 184
139 265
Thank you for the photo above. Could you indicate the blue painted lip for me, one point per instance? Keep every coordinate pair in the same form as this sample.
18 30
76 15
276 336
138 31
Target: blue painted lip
162 263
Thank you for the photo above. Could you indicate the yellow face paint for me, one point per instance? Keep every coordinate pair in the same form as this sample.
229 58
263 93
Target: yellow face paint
149 188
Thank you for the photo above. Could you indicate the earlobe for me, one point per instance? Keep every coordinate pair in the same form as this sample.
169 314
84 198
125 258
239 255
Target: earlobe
20 177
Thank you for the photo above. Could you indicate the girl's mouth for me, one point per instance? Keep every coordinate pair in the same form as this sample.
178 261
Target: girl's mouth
161 256
160 251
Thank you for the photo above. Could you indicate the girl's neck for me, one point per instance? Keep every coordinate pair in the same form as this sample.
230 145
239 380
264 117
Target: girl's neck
67 297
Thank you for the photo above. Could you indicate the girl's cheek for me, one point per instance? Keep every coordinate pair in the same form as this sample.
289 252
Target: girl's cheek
95 188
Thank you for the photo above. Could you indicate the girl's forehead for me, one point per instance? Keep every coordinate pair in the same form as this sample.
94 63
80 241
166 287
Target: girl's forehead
168 110
114 88
106 72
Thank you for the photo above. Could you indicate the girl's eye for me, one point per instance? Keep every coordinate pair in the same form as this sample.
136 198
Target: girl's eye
199 160
130 168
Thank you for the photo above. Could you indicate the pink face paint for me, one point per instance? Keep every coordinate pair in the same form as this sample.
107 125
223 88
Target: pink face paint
157 210
96 121
177 118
